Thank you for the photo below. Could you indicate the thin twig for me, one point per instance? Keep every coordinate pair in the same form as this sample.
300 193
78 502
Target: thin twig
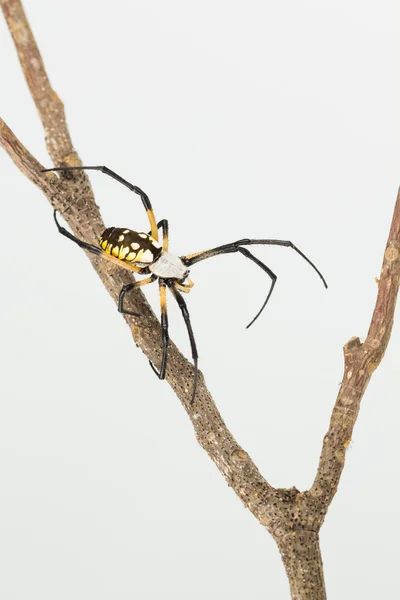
48 104
25 162
360 361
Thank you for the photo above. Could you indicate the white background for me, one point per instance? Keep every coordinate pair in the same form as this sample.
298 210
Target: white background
258 119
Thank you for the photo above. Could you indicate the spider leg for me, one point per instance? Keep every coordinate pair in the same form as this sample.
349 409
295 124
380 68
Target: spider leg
191 259
144 197
185 287
232 248
185 313
164 226
264 267
164 330
95 249
286 244
129 287
81 243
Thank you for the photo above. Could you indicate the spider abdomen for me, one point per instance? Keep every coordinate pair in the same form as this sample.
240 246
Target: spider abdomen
130 246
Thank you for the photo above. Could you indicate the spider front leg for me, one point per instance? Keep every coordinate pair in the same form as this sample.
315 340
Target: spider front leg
163 224
134 188
164 330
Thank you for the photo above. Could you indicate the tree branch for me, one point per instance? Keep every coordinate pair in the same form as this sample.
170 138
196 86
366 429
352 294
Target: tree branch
48 104
211 432
360 361
74 200
292 518
25 162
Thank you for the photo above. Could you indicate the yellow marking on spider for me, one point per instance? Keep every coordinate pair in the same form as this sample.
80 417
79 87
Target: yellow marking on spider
115 251
182 288
121 238
163 298
135 246
143 235
124 264
123 251
145 281
131 256
186 286
188 282
126 231
189 256
165 241
108 249
153 224
147 256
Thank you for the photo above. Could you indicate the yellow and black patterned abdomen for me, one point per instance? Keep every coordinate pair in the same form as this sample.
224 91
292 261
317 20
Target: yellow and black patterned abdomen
130 246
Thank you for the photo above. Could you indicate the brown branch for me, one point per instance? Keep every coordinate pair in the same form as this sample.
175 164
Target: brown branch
211 432
293 518
25 162
48 104
77 206
360 361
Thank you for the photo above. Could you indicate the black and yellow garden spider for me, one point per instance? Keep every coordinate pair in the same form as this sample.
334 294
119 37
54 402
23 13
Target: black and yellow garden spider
142 253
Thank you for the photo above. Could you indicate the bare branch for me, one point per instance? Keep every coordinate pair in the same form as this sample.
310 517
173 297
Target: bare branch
25 161
360 360
212 433
76 204
292 518
49 105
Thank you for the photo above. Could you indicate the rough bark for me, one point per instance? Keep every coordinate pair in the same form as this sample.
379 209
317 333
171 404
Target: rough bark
301 556
292 518
360 361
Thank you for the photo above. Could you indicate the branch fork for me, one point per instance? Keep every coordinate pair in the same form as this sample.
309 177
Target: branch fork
293 518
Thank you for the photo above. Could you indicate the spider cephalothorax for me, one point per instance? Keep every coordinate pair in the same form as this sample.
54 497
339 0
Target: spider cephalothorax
142 253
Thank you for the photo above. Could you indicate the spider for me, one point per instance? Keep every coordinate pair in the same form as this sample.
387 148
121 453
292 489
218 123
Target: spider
142 253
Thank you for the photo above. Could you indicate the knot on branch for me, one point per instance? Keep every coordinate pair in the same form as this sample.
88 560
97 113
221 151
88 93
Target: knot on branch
352 346
240 457
391 253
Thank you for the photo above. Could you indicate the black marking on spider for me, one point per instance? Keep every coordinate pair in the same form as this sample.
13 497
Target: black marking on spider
130 246
141 253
